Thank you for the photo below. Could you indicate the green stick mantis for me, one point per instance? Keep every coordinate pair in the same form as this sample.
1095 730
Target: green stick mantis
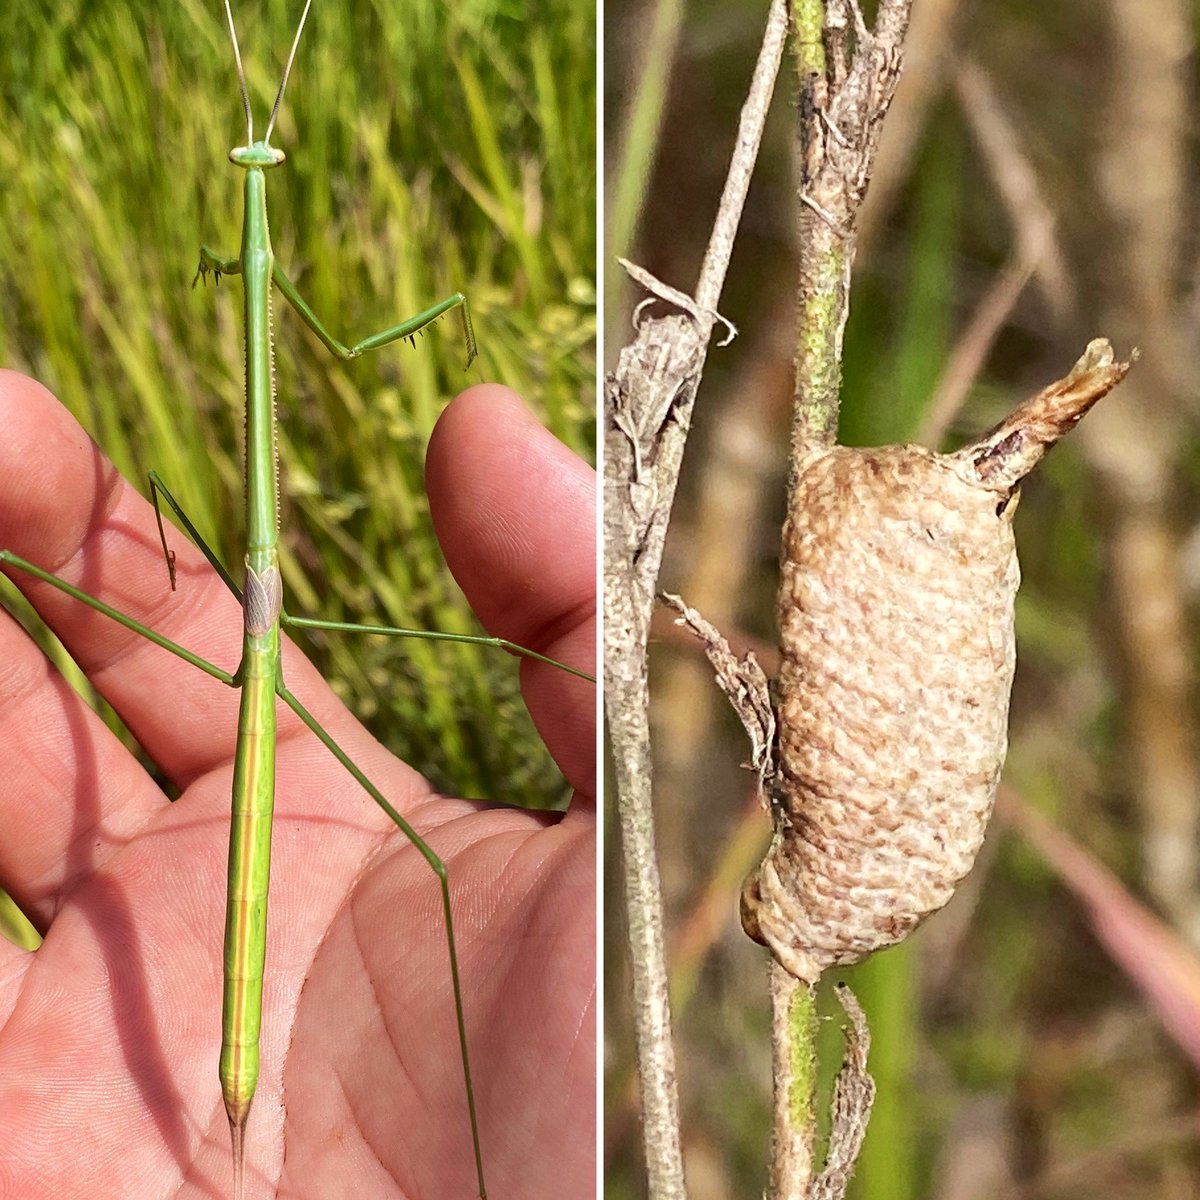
259 674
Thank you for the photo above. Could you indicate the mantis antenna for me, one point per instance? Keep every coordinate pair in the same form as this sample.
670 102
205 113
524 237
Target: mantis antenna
287 70
237 58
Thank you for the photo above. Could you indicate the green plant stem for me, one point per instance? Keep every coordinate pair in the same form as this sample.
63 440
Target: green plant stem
824 294
794 1051
823 308
847 75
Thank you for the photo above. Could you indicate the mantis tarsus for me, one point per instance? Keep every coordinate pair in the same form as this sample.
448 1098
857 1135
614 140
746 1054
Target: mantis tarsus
259 675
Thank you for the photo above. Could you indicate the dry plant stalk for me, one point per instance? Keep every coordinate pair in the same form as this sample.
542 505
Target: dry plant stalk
896 619
648 402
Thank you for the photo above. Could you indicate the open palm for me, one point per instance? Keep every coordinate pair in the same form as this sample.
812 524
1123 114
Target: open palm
109 1033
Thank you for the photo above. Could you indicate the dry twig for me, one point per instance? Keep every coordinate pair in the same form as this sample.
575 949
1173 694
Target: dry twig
648 404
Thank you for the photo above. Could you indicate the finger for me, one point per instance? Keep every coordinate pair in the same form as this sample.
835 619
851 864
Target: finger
515 512
64 506
72 793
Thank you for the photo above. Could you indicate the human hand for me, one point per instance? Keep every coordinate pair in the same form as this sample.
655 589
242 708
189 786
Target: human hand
110 1031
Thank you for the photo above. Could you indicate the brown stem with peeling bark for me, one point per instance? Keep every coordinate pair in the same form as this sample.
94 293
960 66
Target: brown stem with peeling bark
847 75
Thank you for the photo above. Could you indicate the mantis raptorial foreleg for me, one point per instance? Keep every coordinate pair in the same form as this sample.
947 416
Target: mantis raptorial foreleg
217 265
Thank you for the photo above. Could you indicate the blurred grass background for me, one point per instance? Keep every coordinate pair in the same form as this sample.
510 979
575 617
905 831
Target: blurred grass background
1033 191
431 148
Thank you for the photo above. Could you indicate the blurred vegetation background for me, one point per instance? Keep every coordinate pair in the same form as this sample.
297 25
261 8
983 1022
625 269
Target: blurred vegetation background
1040 1038
431 148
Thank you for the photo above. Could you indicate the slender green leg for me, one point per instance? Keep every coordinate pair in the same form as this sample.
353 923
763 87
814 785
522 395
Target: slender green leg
11 918
23 564
157 486
406 329
168 554
16 926
439 869
431 636
421 845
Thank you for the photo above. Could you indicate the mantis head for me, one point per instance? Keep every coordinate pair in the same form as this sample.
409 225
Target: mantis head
257 154
261 154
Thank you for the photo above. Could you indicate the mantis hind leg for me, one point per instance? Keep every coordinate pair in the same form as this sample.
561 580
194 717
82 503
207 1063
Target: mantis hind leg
431 636
8 558
14 924
157 487
439 869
